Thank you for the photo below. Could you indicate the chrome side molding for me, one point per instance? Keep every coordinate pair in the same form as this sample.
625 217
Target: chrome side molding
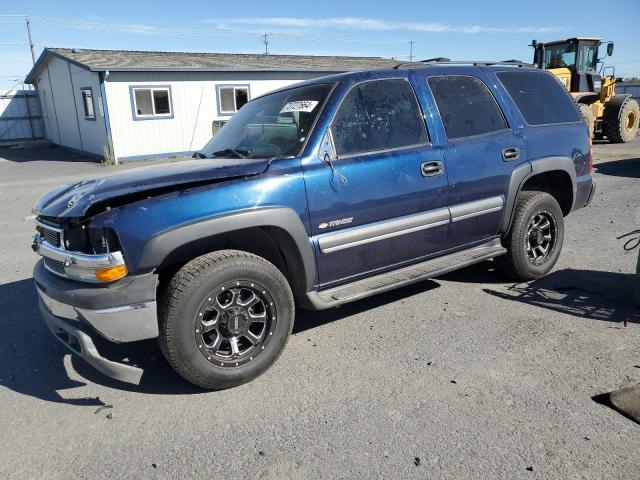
373 232
476 208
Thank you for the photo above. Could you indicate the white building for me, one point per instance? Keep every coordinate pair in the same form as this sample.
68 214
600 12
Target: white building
160 104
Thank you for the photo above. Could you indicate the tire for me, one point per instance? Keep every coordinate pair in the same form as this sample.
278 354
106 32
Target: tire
218 297
587 116
624 127
531 206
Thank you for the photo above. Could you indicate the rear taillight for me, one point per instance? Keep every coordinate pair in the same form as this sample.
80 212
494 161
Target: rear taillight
590 156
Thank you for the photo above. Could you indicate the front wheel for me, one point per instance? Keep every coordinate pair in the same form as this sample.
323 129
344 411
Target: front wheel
535 240
624 127
226 318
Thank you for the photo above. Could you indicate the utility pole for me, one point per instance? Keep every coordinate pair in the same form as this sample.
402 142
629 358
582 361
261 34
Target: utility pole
33 55
265 40
411 50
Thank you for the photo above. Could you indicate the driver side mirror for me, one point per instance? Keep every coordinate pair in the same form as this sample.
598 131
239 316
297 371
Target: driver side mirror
610 49
327 152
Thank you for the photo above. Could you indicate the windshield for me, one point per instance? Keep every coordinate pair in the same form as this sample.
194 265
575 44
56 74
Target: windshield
561 55
275 125
588 58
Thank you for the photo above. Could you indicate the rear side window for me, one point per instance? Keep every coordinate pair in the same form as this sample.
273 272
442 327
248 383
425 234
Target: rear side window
378 115
466 106
539 97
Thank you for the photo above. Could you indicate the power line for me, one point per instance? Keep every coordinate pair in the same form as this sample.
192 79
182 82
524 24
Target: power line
185 31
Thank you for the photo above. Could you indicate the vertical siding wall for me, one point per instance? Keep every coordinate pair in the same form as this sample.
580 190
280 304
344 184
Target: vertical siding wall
194 107
59 87
20 116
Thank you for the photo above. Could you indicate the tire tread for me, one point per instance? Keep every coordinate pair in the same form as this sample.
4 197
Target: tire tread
179 286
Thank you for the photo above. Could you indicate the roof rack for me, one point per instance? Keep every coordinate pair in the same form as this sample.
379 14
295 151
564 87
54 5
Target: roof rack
475 63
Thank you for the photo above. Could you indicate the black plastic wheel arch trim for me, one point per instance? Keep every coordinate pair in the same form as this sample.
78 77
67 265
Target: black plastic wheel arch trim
160 246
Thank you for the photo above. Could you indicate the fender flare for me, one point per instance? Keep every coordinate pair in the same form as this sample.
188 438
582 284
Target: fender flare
157 248
524 172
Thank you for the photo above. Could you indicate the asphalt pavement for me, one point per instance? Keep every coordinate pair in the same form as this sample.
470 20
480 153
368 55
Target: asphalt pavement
464 376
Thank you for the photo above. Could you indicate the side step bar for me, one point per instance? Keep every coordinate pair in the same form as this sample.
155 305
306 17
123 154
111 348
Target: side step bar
404 276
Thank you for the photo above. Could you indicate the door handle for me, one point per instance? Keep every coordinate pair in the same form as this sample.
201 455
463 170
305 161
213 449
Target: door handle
509 154
431 169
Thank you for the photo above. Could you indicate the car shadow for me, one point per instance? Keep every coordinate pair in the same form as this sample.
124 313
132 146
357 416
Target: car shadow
588 294
629 167
32 362
309 319
483 272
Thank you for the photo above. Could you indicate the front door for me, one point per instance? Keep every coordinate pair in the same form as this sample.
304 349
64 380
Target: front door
381 201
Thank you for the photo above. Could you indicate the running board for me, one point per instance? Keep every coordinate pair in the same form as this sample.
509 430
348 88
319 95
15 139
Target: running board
396 278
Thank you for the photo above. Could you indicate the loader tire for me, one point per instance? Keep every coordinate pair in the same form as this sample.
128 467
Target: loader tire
587 116
624 127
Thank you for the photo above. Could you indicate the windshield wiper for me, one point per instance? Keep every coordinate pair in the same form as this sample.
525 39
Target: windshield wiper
237 153
198 155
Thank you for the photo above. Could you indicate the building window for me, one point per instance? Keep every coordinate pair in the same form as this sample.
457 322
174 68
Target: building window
87 103
151 102
231 98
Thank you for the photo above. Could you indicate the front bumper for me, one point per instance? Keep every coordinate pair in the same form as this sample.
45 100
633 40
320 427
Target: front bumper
125 311
81 343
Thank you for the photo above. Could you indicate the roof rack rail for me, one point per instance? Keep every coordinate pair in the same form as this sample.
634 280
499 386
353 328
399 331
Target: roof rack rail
475 63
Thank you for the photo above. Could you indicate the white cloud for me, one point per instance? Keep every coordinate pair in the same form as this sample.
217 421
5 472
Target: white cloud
372 24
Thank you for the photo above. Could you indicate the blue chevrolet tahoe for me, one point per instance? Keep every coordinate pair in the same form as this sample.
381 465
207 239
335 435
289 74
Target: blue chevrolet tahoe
321 193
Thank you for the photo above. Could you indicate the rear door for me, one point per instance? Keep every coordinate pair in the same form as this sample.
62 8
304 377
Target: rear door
481 151
382 201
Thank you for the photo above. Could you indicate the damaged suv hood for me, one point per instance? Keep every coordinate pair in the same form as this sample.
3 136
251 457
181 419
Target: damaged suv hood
74 200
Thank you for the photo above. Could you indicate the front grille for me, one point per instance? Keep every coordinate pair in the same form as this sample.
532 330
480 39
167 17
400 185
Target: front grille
54 265
52 234
51 237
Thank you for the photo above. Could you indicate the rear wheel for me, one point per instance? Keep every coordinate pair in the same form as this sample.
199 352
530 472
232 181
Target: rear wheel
587 116
535 239
226 318
624 127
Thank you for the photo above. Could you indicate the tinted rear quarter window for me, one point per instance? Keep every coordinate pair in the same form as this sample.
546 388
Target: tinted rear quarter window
378 115
466 106
541 99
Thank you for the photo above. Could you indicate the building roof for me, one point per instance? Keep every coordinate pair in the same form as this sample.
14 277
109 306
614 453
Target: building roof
127 60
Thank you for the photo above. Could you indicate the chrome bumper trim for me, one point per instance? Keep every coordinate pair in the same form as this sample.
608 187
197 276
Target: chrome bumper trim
127 323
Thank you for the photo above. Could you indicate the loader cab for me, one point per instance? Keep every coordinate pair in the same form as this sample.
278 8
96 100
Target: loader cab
574 61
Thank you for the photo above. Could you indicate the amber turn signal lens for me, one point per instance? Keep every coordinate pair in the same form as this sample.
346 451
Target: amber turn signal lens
110 274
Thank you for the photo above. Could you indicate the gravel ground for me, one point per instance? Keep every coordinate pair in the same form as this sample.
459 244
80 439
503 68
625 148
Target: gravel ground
465 376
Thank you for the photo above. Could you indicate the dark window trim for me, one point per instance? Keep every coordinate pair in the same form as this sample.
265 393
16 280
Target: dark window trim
504 118
89 89
579 121
385 150
220 86
136 117
374 152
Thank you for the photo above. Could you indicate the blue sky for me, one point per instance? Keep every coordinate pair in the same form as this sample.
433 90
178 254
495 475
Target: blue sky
456 29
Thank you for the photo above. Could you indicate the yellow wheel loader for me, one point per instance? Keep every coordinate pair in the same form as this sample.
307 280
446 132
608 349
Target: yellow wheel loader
574 62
